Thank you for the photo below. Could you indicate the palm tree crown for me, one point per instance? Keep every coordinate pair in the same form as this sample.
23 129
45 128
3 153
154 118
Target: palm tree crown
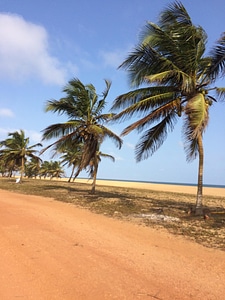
171 77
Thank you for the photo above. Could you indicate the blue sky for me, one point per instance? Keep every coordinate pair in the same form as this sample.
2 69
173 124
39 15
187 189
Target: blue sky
43 44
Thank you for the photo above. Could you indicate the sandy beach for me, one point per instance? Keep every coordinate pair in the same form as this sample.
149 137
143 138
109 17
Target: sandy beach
54 250
210 191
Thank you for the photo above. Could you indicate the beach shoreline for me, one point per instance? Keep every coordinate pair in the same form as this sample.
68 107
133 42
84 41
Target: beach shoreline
184 189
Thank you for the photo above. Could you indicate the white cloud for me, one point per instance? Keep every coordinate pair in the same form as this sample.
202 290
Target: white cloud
118 158
5 112
4 133
112 58
130 145
72 68
24 51
87 64
34 136
180 144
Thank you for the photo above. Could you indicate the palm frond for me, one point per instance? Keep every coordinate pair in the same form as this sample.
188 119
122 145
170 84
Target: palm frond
153 138
112 158
175 13
217 54
35 145
146 61
61 129
112 136
100 104
220 92
138 95
197 114
155 116
191 149
147 105
196 121
106 91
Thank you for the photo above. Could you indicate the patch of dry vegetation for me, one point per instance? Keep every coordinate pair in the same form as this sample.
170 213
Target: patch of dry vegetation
170 211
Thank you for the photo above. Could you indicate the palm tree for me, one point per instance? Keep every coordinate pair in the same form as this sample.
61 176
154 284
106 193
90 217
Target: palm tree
32 167
85 123
172 77
8 165
16 149
3 169
44 169
51 169
56 169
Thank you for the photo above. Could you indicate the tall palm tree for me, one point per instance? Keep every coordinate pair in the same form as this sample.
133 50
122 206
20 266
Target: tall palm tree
172 77
16 148
86 120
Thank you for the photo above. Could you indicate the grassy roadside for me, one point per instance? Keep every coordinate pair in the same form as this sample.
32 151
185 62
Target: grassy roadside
170 211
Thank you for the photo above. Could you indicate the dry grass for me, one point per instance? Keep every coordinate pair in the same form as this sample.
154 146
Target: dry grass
170 211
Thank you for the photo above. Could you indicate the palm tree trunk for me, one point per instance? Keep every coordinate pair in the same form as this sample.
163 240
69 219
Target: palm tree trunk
73 169
198 208
77 173
22 168
94 178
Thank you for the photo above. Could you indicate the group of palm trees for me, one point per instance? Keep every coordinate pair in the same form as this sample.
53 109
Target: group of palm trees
18 156
171 77
78 140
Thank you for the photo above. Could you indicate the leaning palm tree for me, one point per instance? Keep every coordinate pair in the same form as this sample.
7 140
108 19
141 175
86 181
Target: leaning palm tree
86 121
16 149
171 77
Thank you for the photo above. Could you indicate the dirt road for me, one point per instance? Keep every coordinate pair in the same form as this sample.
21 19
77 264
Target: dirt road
53 250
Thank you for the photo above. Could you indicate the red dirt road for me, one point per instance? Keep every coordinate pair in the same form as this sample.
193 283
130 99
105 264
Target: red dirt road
53 250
